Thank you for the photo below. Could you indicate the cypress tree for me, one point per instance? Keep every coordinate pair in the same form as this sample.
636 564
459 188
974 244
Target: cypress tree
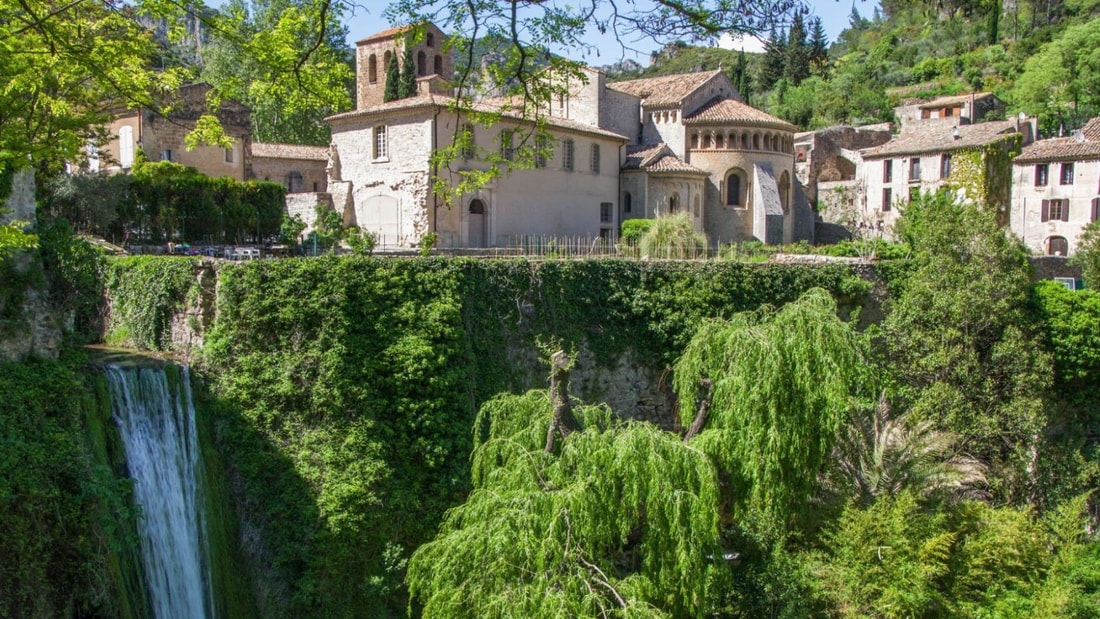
407 87
797 62
775 52
819 43
393 77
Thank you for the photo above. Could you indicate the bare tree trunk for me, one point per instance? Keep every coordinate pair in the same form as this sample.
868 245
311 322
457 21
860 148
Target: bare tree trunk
563 420
704 411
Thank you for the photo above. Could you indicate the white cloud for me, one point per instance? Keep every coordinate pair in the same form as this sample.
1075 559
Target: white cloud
747 42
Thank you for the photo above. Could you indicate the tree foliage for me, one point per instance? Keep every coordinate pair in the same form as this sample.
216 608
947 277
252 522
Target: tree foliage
965 355
618 521
1087 255
672 236
783 384
287 61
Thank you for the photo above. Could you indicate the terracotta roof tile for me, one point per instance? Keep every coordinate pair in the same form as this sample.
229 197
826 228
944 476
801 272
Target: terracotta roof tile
434 101
937 138
1092 129
657 158
289 151
733 111
955 100
1060 149
388 33
664 90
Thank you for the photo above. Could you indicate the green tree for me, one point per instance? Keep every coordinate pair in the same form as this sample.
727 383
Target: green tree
393 80
775 58
612 519
960 344
778 384
1087 255
796 63
672 236
255 57
406 87
819 46
1061 83
62 67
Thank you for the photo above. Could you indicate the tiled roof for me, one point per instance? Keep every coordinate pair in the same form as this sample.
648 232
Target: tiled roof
289 151
664 90
719 110
657 158
937 138
1092 129
954 100
1060 149
385 34
638 154
434 101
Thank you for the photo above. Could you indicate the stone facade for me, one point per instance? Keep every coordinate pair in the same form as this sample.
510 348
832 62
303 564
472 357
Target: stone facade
640 148
301 169
950 111
161 137
1056 191
923 161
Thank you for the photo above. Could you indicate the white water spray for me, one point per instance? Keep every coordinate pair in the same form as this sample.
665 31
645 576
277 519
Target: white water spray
157 425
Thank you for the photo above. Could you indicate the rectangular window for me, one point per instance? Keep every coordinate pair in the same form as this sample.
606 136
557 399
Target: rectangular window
380 145
1055 210
507 148
1041 172
914 169
945 166
605 212
1067 174
595 158
888 171
567 155
542 147
467 141
229 155
166 154
887 199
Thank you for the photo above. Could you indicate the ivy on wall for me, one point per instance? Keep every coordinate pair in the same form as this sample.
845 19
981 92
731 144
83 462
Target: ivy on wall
984 173
346 388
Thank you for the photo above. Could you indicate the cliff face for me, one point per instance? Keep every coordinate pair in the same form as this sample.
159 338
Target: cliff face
29 325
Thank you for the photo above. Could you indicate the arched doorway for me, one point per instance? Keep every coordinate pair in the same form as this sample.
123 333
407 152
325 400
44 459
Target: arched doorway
475 224
674 203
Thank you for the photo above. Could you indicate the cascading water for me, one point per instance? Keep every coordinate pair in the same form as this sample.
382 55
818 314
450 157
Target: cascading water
157 426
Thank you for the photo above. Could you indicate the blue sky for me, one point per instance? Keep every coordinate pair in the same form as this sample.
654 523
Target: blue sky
833 13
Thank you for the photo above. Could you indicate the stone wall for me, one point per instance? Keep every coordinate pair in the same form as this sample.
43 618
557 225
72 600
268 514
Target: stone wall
277 170
19 204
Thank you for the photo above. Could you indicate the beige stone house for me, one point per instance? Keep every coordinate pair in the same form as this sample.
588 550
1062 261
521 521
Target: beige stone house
950 111
1056 190
923 161
161 137
301 169
640 148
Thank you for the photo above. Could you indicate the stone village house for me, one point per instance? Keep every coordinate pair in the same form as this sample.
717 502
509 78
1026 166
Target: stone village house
621 150
1056 190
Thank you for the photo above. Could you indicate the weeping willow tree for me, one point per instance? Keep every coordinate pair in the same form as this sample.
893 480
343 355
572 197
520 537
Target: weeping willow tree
609 519
776 387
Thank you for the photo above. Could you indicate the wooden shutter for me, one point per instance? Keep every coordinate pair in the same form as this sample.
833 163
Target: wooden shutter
1095 209
1065 210
1046 211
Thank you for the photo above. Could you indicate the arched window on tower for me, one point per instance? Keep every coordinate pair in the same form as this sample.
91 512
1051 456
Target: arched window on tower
372 69
431 39
421 63
438 64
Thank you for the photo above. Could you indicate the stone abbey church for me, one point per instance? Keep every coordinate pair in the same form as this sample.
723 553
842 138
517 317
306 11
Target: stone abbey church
620 150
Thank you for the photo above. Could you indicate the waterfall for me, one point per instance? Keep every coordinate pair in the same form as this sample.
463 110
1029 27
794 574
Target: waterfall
157 426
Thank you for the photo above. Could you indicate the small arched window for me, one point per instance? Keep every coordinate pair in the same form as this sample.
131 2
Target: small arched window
294 182
756 141
421 63
438 64
372 69
696 205
674 203
733 190
626 202
1057 246
431 39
